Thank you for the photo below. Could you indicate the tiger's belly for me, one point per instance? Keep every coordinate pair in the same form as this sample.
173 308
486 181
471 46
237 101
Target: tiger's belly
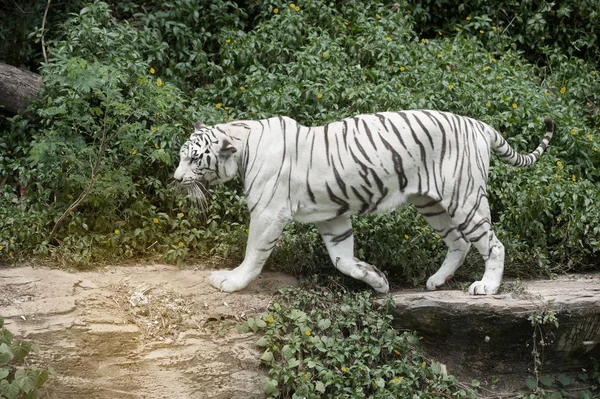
310 212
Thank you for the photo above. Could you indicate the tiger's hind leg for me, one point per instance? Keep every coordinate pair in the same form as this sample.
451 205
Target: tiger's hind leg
339 240
443 224
477 228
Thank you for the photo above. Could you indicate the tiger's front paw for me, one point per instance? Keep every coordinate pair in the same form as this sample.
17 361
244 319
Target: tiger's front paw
227 280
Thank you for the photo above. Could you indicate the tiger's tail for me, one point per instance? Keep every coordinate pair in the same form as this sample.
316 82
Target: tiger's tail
508 155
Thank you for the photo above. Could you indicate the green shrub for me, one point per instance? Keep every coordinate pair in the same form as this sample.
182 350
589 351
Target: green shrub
336 344
19 378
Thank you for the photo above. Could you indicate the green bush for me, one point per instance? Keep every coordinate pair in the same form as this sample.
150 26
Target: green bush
324 344
19 378
125 81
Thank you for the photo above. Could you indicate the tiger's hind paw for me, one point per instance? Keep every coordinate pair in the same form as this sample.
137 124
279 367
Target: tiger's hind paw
484 287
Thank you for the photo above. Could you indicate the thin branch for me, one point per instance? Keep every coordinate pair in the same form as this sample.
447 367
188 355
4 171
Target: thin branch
43 26
94 174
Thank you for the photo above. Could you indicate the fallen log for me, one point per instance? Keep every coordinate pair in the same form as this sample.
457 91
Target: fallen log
18 87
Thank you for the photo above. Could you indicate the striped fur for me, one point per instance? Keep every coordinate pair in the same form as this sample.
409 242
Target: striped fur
437 161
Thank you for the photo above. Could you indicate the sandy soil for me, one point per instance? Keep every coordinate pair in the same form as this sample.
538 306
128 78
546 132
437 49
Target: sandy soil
138 332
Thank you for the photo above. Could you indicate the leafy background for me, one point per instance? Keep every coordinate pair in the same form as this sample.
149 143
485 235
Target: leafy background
125 81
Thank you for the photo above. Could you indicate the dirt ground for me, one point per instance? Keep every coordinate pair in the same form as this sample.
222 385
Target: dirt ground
138 331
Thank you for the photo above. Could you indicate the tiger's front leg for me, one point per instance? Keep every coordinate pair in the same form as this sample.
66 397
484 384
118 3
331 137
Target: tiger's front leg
339 240
265 230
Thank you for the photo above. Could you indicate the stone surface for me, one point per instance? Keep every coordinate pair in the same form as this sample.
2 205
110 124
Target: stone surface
492 334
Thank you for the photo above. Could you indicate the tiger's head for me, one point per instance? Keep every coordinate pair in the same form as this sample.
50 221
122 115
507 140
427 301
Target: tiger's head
205 159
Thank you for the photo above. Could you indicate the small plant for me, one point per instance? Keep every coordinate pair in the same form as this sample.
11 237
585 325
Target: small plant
19 378
540 339
322 343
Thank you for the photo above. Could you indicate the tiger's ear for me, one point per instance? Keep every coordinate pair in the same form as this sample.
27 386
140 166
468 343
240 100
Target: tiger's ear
227 148
199 125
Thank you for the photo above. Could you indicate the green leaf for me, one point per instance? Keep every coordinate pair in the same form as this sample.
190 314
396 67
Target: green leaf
21 349
3 373
41 378
320 387
565 380
270 388
546 381
262 341
5 336
475 383
6 354
530 384
293 362
24 381
267 357
9 389
324 324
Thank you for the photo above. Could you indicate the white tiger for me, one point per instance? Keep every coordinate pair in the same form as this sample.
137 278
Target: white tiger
437 161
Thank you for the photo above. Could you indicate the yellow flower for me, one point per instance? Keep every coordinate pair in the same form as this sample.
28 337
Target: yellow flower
457 29
514 105
271 319
155 220
518 235
361 367
440 33
593 72
485 68
218 106
242 88
574 178
388 38
116 232
424 40
468 18
451 86
297 8
344 369
319 95
230 118
546 94
305 376
10 254
276 10
437 236
543 38
406 236
180 215
397 352
156 146
397 380
227 40
324 54
559 163
1 247
152 71
590 137
487 104
548 188
69 196
153 129
292 5
307 332
133 152
423 364
275 347
596 149
498 77
377 16
481 31
562 90
402 69
180 243
159 82
440 55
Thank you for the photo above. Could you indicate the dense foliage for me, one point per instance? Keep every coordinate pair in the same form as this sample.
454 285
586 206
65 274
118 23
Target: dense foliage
300 339
126 80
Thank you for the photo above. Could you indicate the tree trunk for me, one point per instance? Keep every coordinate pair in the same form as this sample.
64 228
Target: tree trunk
18 87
